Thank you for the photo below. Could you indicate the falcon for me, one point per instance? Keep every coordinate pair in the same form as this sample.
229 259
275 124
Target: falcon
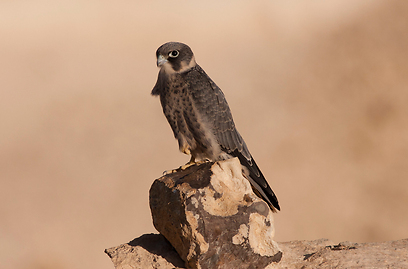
200 117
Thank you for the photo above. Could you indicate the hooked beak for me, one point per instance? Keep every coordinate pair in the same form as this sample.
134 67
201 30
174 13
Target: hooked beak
161 60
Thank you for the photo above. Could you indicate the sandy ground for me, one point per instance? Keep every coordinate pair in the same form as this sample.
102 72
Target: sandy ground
318 91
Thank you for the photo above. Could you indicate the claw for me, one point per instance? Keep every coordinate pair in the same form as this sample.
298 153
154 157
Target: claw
191 163
167 172
187 165
184 167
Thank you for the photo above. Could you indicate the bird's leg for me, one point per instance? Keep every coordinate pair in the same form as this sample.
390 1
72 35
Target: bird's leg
185 148
193 162
190 163
183 167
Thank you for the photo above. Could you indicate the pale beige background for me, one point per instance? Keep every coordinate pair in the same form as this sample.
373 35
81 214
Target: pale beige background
319 91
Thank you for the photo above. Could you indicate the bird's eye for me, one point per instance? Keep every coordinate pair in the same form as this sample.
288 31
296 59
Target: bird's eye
174 53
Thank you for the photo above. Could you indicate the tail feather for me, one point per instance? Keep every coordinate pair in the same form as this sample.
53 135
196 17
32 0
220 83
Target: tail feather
258 181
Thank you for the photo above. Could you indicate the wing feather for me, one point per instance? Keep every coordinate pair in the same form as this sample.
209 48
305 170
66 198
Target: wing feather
211 102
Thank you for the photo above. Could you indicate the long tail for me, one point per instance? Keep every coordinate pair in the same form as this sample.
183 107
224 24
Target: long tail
258 181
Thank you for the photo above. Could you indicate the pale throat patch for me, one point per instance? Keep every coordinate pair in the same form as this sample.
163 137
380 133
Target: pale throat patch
184 66
191 64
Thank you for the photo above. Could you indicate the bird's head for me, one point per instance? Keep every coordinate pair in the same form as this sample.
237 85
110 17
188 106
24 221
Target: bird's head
175 57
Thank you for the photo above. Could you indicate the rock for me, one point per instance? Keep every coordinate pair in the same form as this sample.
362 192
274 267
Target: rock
155 252
147 251
324 254
209 217
212 218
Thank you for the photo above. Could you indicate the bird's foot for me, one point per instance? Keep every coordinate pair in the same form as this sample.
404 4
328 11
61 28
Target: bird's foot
167 172
187 165
184 167
191 163
181 168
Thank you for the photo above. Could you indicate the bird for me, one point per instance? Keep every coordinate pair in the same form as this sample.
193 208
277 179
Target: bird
200 117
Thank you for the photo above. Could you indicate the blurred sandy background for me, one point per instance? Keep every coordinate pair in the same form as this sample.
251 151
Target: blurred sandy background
319 91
